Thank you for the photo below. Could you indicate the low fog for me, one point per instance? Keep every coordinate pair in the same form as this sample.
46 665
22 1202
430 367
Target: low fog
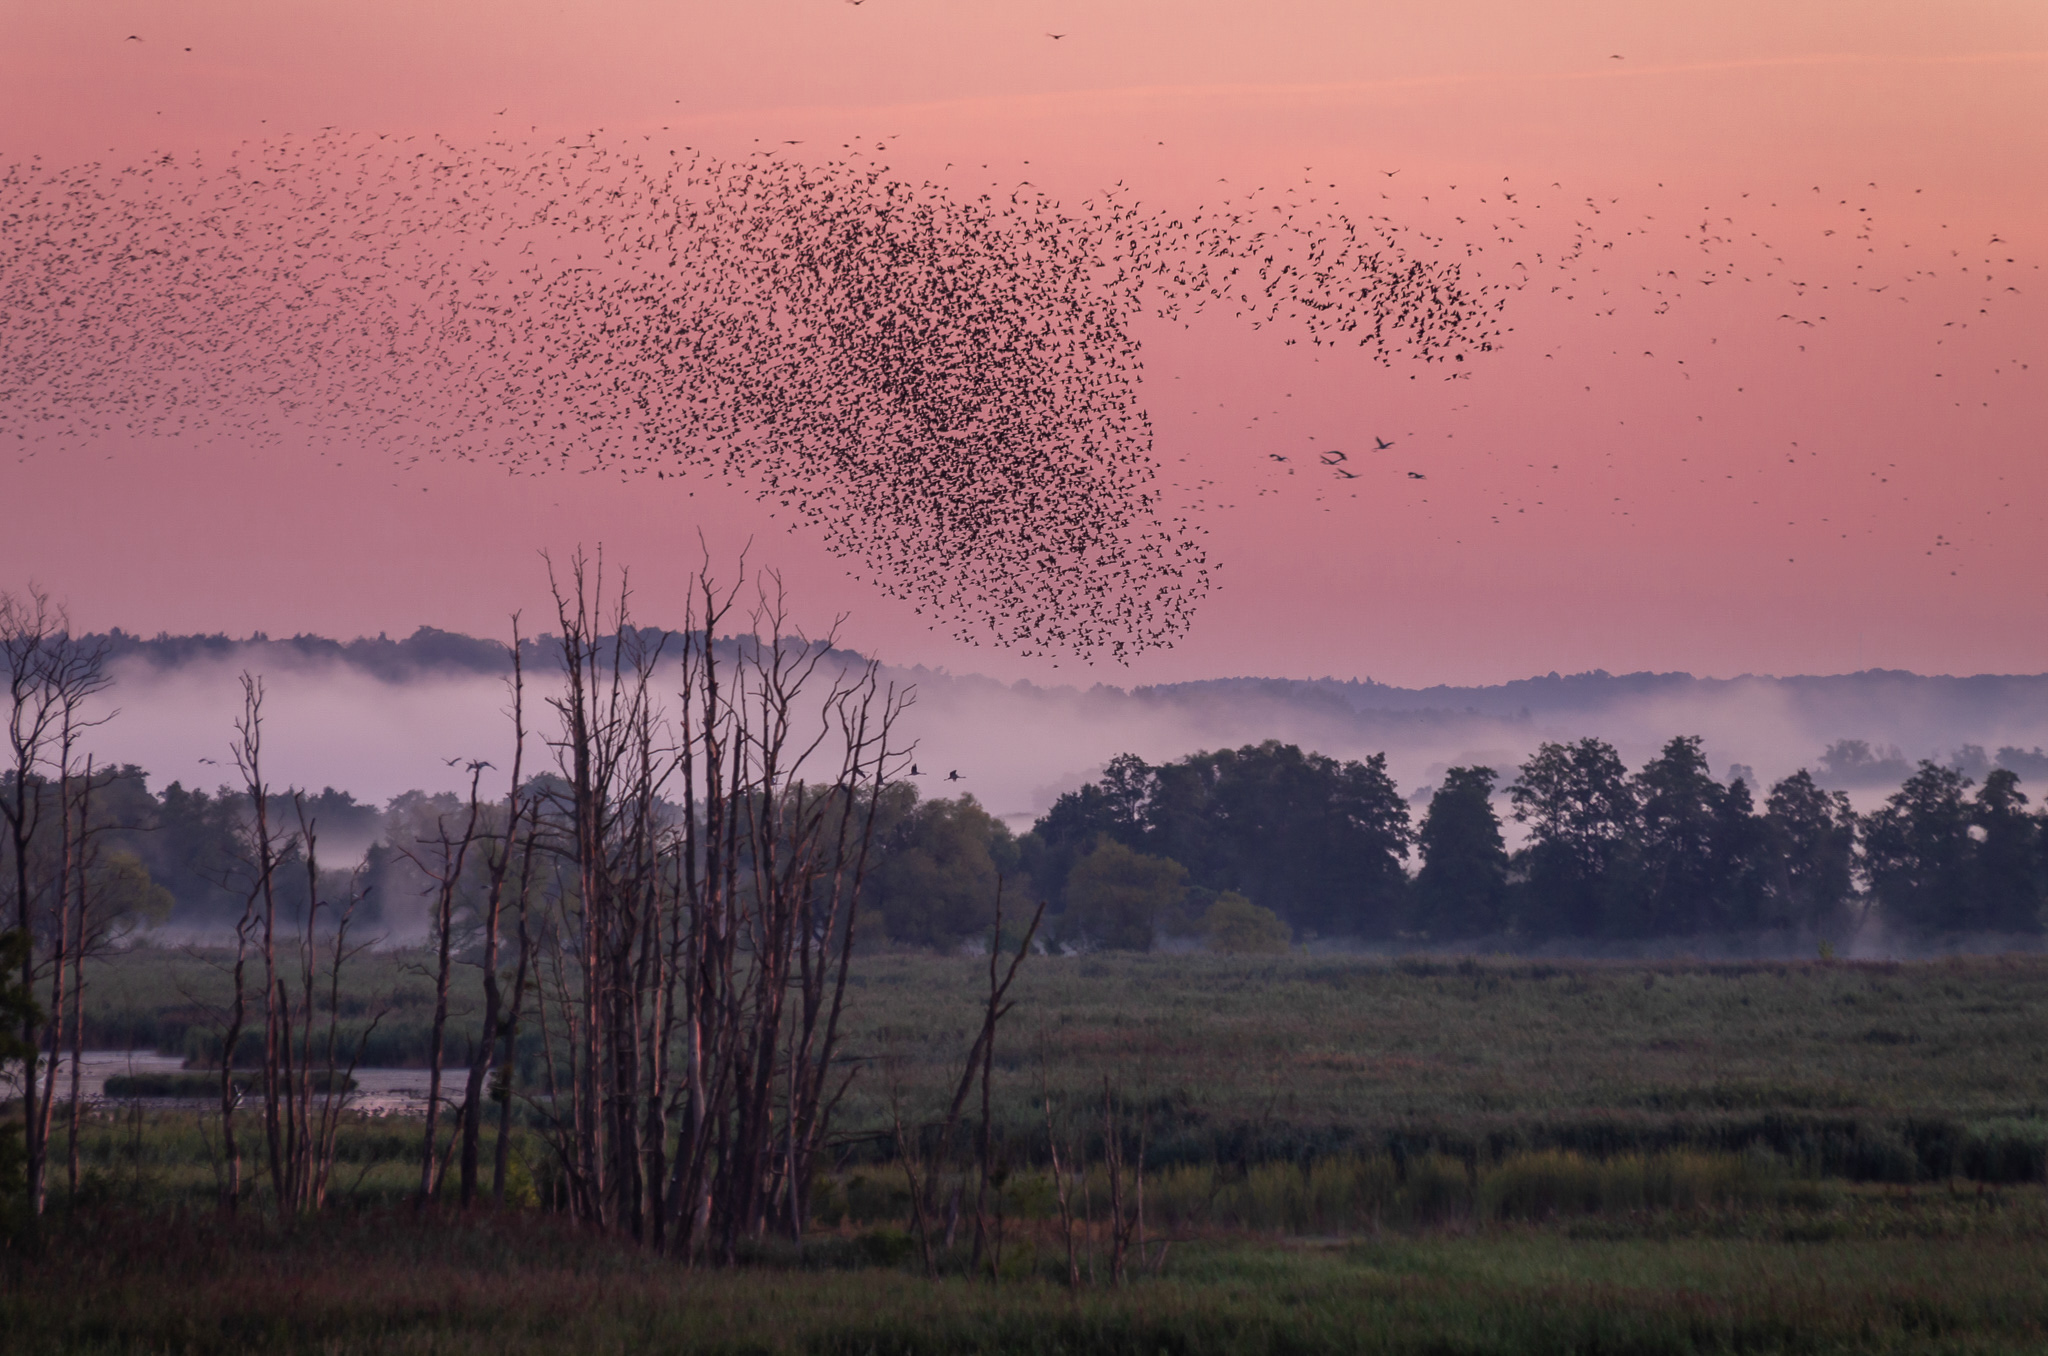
380 718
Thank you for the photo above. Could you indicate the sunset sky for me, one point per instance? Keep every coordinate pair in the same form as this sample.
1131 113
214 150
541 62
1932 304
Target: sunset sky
1675 474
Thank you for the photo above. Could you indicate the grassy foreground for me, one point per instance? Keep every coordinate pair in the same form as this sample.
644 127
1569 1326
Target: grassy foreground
393 1282
1344 1154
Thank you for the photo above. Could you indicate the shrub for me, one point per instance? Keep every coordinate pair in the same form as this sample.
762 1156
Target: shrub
2006 1150
1556 1182
1436 1187
1234 926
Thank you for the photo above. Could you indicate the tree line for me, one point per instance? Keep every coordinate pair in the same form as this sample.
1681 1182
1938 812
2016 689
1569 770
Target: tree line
1327 846
1290 844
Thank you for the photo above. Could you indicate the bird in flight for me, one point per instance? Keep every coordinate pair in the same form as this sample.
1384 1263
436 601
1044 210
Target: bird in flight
131 38
1417 475
1332 457
1390 173
1381 444
913 767
1055 36
954 775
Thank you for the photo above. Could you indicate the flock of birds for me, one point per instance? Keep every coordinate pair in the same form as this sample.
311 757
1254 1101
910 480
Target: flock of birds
946 387
1672 308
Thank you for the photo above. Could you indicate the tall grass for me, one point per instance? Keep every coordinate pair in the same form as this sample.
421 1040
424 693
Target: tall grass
511 1285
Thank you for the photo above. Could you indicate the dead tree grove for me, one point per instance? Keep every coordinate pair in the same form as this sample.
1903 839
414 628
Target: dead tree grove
690 980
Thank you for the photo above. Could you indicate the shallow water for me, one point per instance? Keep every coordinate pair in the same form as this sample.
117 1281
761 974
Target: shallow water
379 1092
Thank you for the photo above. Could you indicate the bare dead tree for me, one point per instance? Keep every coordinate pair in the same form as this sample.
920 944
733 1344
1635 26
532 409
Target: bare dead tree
82 912
264 849
451 855
96 924
1062 1188
508 1067
997 1007
59 932
29 627
1126 1212
319 1090
910 1154
51 677
690 994
1113 1165
498 866
230 1046
304 1080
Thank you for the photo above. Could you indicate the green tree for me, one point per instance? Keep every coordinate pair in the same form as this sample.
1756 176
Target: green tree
1678 824
1810 856
1234 926
1114 807
124 896
192 852
1461 890
1116 898
1741 853
2008 856
935 881
1918 851
1578 871
1319 841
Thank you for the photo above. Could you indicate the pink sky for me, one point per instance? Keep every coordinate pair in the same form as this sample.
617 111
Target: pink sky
1719 500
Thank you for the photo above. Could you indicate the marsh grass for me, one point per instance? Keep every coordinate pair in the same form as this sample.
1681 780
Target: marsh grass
392 1280
1341 1153
1295 1047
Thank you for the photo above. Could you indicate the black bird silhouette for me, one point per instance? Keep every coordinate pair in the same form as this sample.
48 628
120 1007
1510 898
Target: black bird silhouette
1380 444
954 775
1417 475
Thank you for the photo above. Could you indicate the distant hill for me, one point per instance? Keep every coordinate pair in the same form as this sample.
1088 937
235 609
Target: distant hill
1018 745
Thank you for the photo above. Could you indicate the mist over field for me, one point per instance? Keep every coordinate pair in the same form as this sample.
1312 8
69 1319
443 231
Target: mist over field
380 717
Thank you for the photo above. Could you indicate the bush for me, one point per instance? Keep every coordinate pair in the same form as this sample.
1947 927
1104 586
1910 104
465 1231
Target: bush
1117 899
2004 1151
202 1086
1234 926
1436 1187
1554 1182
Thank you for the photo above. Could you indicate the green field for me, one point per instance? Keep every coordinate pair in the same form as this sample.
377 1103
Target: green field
1356 1039
1342 1154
